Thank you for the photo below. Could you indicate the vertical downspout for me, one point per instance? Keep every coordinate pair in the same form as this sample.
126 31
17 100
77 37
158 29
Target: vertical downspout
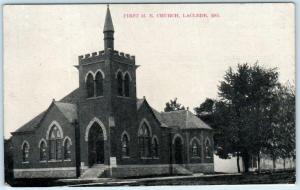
171 153
77 147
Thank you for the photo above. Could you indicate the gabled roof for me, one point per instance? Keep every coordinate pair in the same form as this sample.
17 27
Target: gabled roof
183 119
139 103
30 125
66 105
68 110
72 97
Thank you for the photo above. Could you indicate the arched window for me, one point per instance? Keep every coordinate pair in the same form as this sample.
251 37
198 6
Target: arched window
195 149
67 149
155 147
43 154
208 152
90 85
125 144
126 85
120 84
99 84
144 140
55 143
25 152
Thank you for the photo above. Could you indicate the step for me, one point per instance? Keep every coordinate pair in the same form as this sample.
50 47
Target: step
181 170
94 172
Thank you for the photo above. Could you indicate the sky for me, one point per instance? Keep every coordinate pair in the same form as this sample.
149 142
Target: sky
185 56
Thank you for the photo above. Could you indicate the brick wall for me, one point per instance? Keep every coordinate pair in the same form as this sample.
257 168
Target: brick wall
34 138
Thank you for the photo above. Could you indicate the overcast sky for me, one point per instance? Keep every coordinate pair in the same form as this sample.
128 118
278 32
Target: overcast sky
183 57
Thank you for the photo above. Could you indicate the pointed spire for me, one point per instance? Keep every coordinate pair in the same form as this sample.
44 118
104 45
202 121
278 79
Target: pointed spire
108 25
108 31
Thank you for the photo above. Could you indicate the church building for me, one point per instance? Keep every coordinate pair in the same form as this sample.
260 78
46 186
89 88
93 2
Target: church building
101 129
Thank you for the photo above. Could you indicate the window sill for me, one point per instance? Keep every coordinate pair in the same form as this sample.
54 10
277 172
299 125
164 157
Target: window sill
146 158
125 97
43 161
195 157
125 157
27 162
156 158
55 161
94 97
67 160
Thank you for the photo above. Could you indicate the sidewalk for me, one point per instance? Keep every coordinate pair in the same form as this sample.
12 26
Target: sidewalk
131 181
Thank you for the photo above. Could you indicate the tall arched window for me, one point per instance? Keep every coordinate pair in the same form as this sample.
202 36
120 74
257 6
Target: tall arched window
55 144
90 85
67 149
25 152
144 140
120 84
99 84
195 149
208 152
125 146
155 147
43 154
126 85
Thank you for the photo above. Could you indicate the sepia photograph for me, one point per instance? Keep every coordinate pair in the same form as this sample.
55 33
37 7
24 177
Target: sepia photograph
149 94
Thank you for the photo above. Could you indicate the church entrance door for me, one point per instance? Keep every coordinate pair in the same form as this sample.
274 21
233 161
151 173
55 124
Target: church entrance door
178 151
95 145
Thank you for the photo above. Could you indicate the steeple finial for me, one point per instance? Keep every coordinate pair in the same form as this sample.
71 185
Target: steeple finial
108 25
108 31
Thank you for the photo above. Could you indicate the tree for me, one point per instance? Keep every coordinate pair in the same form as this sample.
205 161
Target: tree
217 115
254 114
173 105
205 107
247 95
282 137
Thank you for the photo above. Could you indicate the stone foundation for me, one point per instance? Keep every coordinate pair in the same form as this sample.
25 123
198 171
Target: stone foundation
141 170
201 167
159 169
64 172
121 171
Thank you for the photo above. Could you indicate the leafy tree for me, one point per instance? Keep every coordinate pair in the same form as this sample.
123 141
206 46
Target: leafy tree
282 137
173 105
246 97
255 114
206 106
217 115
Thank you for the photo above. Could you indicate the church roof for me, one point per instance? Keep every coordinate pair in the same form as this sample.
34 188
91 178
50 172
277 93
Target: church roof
72 97
183 119
30 125
69 110
139 103
66 105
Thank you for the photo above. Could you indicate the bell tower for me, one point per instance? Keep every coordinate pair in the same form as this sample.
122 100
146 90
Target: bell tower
107 87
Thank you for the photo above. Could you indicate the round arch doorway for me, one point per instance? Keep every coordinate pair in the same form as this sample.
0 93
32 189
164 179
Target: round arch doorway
178 150
95 145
